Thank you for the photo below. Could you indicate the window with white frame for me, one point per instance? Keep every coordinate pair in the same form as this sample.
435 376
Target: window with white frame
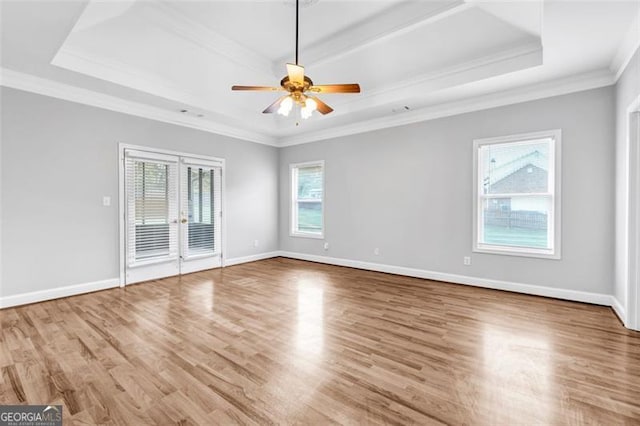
307 199
517 195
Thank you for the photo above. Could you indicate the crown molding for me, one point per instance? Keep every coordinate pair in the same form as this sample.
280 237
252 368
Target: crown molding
392 22
563 86
628 47
30 83
516 58
173 20
114 71
529 53
117 72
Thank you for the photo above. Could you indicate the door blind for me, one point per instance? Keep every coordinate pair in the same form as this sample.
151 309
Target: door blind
201 207
152 232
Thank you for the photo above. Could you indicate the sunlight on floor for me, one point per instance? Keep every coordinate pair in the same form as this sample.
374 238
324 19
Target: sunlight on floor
522 362
310 336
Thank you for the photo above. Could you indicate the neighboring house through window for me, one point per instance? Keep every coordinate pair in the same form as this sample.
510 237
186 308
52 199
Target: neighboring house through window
517 195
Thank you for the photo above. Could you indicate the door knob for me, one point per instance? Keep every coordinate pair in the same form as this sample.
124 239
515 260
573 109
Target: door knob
184 221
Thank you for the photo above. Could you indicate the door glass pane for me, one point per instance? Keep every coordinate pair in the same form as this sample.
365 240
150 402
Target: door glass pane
151 210
510 168
517 221
310 217
200 196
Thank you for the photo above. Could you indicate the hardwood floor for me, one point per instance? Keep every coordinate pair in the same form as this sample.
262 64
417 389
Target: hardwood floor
285 341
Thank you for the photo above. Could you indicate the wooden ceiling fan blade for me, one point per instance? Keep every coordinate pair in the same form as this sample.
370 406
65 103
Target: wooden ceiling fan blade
335 88
322 107
274 106
257 88
296 74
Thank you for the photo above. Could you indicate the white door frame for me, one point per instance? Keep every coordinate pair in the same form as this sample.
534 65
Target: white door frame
121 198
632 216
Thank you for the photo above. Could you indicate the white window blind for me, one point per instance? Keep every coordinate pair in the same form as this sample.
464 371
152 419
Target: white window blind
201 207
307 204
151 200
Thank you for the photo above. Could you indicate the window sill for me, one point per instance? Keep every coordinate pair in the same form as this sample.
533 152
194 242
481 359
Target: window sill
517 251
307 235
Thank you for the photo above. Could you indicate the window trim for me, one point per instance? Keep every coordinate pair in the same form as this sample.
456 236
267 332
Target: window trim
293 200
555 222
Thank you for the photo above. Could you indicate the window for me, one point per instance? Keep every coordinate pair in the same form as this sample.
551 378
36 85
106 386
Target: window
517 195
307 195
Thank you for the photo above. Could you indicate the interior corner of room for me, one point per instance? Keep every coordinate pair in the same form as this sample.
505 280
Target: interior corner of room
505 156
398 188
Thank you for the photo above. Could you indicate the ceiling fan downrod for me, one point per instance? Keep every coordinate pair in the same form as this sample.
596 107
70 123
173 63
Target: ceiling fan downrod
300 88
297 22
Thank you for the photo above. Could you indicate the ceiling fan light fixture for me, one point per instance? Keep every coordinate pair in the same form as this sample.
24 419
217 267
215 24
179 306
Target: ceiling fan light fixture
309 106
286 106
298 84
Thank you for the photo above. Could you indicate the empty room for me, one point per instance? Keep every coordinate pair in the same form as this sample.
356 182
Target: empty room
319 212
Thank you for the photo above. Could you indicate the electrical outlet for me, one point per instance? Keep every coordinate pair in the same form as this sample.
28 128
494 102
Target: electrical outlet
466 260
256 243
376 251
326 246
106 201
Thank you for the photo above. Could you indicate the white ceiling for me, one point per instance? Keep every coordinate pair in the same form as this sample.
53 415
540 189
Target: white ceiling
435 57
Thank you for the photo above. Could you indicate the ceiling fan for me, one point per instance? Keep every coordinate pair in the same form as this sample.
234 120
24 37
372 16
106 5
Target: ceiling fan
300 89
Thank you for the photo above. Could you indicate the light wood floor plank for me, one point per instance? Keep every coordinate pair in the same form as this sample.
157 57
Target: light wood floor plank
283 341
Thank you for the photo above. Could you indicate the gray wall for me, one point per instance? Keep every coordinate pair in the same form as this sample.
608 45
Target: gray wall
60 158
627 90
408 191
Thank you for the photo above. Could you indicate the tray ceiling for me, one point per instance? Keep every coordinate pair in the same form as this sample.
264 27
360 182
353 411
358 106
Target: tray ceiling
176 55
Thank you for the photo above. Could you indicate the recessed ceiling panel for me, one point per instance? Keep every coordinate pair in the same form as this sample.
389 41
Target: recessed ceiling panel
467 37
193 52
187 54
268 27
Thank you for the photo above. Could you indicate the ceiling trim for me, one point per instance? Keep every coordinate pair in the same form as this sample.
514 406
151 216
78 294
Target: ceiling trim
525 54
171 19
129 76
562 86
30 83
392 22
628 47
503 62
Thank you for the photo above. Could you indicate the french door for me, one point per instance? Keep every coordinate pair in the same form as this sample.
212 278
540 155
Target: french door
173 214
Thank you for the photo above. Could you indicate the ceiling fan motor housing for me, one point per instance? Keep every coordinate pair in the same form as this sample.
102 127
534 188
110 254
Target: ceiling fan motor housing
296 90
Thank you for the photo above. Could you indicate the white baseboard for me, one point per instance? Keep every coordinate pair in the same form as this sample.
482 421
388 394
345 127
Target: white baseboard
619 309
56 293
558 293
73 290
251 258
